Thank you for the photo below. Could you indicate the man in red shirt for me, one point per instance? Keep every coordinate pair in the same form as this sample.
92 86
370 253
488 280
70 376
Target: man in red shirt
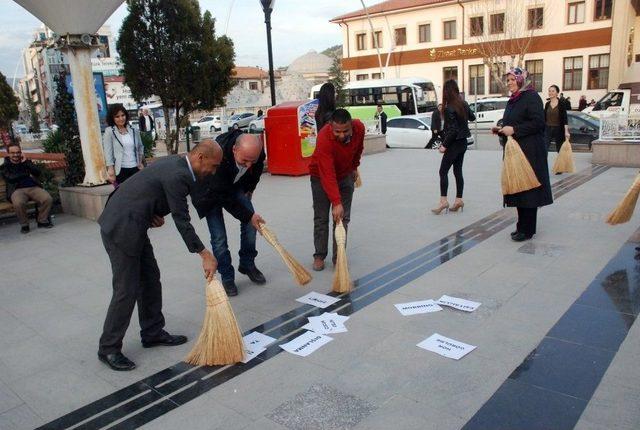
333 173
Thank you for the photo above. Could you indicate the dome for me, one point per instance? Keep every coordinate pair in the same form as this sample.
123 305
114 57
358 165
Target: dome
311 62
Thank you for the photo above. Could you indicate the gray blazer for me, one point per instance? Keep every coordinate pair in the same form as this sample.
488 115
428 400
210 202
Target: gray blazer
113 149
159 189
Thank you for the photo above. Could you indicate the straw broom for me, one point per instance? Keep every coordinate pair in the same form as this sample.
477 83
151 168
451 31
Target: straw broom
517 174
220 341
622 213
564 162
358 182
341 278
298 271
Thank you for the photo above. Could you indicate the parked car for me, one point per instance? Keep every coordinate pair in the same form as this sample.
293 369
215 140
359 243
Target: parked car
490 111
241 120
583 128
257 125
209 122
411 131
21 129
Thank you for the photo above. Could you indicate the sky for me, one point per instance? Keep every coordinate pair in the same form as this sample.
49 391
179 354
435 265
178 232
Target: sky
297 27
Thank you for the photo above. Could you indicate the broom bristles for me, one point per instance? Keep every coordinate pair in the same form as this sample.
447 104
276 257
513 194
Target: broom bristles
623 212
358 182
220 340
564 162
300 274
341 277
517 173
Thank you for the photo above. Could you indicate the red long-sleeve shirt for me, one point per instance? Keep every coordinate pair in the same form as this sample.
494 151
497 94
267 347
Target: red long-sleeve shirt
332 161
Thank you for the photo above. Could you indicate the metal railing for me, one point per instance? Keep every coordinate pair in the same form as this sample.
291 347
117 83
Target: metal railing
620 127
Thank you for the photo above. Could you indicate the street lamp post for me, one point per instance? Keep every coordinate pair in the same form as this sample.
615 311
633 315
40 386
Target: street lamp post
267 7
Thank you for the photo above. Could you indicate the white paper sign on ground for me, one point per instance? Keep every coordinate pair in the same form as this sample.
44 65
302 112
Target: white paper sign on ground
317 299
306 343
251 353
335 316
445 346
258 340
419 307
457 303
324 328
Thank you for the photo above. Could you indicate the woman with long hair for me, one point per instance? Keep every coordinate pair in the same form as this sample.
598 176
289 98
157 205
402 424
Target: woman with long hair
326 106
123 149
524 120
555 114
455 132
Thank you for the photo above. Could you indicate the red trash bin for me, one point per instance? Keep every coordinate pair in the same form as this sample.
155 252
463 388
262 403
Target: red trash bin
290 133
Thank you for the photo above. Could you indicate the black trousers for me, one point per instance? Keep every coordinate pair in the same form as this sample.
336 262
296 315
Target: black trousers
527 219
136 279
453 156
556 134
322 212
126 173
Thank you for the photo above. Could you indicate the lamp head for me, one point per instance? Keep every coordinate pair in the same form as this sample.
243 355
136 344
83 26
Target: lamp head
267 4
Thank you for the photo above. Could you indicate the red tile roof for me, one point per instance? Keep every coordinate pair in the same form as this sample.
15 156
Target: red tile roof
388 6
242 72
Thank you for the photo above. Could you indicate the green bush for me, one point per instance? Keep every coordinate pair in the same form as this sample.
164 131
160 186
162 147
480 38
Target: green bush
53 143
147 142
48 181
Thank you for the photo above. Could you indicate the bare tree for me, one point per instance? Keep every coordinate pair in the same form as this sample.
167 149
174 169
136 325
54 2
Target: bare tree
503 32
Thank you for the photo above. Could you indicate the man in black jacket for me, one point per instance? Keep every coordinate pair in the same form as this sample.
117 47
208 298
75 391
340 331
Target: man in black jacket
138 204
381 119
231 188
21 177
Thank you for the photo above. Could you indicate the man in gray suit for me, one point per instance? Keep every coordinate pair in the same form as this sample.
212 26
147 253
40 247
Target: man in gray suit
138 204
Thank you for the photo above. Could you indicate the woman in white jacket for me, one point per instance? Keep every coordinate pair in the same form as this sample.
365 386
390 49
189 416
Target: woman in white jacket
122 144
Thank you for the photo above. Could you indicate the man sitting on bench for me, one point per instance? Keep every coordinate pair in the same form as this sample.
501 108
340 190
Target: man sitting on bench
21 176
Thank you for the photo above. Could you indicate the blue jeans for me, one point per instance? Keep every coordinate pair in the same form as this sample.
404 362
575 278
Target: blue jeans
218 232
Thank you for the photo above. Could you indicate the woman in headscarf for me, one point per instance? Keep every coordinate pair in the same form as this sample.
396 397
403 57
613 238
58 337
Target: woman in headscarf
524 120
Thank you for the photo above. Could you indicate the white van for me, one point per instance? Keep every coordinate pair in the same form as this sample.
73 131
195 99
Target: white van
490 110
624 101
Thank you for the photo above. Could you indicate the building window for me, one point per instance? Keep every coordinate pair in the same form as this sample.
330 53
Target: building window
401 36
598 72
476 26
376 39
535 18
496 86
376 76
602 9
424 33
253 85
361 41
449 73
496 23
449 30
362 77
476 79
534 68
576 13
572 76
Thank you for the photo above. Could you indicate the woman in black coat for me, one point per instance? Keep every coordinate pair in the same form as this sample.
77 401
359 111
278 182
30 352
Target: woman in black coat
326 105
524 121
454 144
555 116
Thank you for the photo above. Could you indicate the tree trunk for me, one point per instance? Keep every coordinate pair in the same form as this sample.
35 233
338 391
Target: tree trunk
178 118
168 141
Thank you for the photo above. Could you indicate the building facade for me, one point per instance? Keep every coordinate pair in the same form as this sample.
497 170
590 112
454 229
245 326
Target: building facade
42 63
583 46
